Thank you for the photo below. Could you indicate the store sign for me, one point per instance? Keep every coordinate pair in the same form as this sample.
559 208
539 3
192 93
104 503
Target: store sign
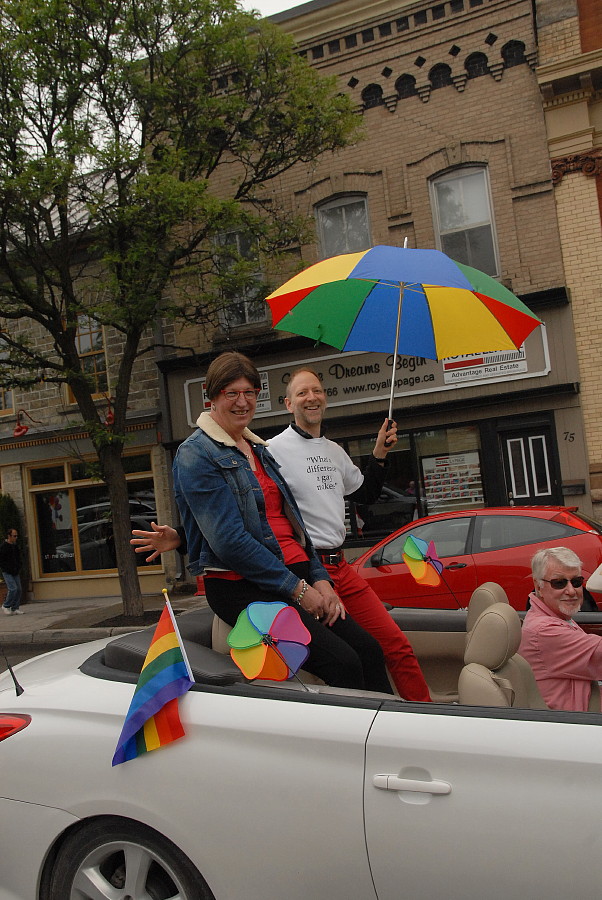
477 367
360 378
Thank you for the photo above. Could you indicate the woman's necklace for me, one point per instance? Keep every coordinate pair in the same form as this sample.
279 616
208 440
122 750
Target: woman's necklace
246 446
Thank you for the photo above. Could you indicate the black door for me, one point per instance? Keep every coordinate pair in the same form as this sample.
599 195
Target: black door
530 467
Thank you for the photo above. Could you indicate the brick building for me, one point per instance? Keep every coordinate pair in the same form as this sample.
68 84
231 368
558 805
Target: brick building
455 155
570 78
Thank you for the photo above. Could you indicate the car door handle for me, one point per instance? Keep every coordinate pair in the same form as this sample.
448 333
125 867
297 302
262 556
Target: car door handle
456 566
395 783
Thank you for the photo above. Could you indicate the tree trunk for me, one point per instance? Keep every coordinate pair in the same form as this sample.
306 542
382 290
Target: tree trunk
114 474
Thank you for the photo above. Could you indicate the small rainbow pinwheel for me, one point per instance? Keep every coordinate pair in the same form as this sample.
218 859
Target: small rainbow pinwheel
422 561
269 641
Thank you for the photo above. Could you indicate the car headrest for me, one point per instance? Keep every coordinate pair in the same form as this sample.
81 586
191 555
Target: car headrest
495 637
482 597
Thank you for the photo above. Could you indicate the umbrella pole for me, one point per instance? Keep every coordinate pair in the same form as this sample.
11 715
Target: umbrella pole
401 287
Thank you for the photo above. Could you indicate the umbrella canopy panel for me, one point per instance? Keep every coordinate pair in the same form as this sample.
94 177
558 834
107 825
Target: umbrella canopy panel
447 309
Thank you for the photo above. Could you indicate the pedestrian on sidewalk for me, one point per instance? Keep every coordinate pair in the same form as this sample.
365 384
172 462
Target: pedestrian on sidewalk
10 566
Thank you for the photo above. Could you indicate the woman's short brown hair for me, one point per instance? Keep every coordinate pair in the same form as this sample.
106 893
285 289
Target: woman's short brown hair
226 368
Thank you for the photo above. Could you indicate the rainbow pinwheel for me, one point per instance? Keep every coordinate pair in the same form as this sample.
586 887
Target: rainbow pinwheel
422 561
269 641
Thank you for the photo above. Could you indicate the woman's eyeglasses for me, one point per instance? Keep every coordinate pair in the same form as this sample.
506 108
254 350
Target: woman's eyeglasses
559 584
250 394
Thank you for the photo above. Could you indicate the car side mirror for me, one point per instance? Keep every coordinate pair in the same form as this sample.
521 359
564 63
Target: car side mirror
375 560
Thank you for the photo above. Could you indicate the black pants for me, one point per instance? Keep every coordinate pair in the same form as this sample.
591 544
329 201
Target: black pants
342 655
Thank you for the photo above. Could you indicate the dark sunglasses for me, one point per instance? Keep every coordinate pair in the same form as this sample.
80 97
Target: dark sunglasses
559 584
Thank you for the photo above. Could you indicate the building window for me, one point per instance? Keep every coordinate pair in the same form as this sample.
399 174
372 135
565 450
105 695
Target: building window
372 95
406 86
238 257
463 219
73 530
513 54
343 226
440 76
91 351
476 65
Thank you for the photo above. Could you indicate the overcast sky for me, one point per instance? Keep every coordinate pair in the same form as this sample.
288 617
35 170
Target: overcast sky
269 7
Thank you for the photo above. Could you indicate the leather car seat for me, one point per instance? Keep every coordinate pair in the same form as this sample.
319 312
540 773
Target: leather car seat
494 674
484 596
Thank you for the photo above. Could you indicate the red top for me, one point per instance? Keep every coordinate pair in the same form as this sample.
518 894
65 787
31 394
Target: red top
277 520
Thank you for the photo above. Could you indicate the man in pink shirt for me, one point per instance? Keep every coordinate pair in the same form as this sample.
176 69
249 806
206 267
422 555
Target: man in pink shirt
565 660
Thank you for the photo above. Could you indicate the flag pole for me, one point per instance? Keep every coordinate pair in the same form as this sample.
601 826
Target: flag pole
177 631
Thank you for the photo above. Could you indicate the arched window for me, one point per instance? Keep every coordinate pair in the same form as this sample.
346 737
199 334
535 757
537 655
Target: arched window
476 64
440 76
513 54
405 86
372 95
463 218
343 225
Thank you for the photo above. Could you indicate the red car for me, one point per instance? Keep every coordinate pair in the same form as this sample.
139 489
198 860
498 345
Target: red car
477 545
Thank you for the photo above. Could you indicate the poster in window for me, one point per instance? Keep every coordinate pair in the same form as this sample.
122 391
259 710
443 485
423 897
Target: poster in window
452 481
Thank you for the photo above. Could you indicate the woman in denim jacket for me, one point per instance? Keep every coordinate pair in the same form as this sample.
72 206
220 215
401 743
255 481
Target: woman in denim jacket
246 536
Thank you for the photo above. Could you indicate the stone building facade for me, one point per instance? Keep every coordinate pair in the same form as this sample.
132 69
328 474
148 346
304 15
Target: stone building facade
570 79
455 155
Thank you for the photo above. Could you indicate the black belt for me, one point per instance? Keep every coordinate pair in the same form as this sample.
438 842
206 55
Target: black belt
331 557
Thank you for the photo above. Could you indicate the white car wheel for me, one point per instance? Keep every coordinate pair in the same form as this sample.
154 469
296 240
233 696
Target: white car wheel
122 860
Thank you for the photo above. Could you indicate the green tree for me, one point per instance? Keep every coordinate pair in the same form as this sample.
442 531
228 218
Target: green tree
133 133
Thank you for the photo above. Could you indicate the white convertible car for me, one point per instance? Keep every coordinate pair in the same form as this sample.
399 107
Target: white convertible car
283 792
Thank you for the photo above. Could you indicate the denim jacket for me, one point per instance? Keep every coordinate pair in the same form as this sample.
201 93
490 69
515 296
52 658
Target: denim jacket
223 510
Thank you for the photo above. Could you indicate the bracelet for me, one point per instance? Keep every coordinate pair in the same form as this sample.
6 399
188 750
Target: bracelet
300 596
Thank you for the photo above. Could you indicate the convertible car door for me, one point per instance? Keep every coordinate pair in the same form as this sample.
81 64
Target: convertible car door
466 803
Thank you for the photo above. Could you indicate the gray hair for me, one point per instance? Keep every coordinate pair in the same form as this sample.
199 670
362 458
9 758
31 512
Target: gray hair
561 555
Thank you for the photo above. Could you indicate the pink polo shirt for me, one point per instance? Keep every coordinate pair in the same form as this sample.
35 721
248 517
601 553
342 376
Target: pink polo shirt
565 660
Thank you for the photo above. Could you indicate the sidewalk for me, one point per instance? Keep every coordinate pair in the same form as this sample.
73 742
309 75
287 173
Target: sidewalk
70 621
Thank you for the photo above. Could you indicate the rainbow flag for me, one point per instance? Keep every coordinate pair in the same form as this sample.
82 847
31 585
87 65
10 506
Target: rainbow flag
152 721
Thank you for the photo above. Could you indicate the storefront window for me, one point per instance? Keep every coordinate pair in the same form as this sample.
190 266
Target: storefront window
427 472
450 468
397 503
74 526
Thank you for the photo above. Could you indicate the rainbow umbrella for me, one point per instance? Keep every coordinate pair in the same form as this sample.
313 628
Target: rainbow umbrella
269 641
422 561
401 301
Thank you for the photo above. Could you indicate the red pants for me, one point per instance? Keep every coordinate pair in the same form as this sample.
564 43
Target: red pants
368 611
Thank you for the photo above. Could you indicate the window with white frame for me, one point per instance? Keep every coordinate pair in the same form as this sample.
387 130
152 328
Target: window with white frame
463 218
244 306
343 225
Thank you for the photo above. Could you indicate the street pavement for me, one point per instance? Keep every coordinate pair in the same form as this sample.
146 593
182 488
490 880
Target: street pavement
71 621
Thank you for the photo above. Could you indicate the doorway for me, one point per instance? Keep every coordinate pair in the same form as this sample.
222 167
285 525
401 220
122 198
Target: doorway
530 467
